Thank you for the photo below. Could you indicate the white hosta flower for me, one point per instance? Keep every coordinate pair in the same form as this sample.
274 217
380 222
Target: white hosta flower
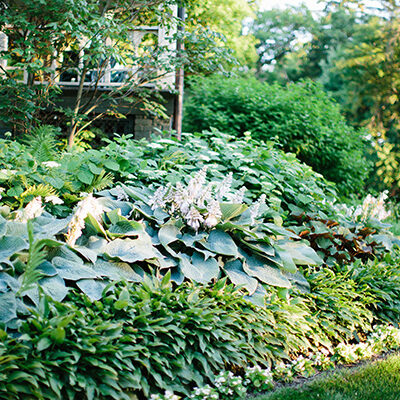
194 218
32 210
195 184
237 198
158 198
224 187
2 190
53 199
214 214
51 164
255 209
205 196
89 205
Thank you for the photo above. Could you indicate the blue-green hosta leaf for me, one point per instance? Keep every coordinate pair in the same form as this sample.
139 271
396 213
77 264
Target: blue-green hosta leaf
8 307
47 269
132 250
7 281
54 286
260 247
258 297
68 254
279 231
118 270
110 204
230 211
188 269
208 269
235 272
286 259
189 239
9 245
3 226
88 254
177 276
258 268
299 281
220 242
125 227
92 288
73 271
17 229
169 233
47 226
300 253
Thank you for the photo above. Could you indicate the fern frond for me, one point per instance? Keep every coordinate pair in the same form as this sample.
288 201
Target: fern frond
36 256
39 190
101 182
42 142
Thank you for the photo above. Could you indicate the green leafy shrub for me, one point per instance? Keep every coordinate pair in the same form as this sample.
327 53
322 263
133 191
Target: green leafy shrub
142 338
301 117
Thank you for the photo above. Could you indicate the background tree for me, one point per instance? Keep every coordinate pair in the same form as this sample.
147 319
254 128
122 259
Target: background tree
98 36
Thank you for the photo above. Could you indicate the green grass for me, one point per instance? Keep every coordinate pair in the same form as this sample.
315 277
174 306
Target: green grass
379 380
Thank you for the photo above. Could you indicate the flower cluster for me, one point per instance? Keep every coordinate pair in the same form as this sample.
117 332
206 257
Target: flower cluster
35 208
258 379
371 208
168 395
89 205
198 203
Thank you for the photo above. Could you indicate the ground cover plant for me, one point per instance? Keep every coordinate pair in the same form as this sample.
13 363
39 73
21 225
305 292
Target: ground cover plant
232 228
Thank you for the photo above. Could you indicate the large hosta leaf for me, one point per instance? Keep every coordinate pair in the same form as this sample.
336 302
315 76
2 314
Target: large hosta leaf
8 307
72 271
220 242
9 245
208 269
132 250
259 269
118 271
300 253
230 211
234 270
92 288
169 233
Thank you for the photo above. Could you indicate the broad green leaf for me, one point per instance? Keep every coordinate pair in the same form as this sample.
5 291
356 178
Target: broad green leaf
230 211
9 245
208 269
125 227
300 253
220 242
132 250
169 233
123 299
72 271
118 271
92 288
8 307
257 268
85 176
235 272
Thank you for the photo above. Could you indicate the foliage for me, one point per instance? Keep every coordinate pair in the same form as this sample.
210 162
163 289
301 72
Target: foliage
141 338
301 118
225 17
86 40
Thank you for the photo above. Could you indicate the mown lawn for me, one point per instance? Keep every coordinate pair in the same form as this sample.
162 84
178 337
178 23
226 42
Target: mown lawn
379 380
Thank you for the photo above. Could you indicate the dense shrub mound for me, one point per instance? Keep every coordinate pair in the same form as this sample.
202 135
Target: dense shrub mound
301 117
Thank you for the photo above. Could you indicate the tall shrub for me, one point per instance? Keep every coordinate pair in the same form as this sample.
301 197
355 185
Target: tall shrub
300 117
